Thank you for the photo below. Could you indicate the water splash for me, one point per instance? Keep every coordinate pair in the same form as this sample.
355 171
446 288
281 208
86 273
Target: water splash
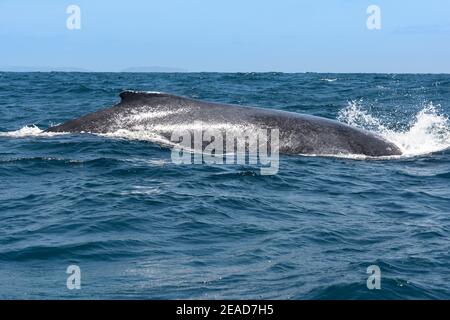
30 131
427 132
27 131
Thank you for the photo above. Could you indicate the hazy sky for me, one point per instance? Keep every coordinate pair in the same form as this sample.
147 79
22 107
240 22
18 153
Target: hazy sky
228 35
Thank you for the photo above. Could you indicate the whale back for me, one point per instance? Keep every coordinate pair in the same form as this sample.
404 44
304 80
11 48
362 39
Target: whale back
161 113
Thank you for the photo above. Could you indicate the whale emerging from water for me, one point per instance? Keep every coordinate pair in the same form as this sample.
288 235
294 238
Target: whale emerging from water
160 113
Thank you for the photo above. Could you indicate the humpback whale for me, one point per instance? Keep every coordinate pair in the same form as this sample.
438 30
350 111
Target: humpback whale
160 113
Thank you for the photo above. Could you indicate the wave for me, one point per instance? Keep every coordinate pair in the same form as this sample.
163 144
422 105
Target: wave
427 132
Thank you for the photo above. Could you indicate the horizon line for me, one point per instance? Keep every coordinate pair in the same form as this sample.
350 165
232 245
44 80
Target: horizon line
230 72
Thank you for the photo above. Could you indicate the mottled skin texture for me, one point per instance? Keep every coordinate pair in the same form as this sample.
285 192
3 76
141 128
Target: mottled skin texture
299 133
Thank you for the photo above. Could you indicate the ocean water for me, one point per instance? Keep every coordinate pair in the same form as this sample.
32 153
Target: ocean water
139 226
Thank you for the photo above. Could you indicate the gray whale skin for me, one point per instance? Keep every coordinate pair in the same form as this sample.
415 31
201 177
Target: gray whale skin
298 133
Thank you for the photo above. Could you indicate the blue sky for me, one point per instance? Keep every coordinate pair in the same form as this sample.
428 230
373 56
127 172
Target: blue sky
228 35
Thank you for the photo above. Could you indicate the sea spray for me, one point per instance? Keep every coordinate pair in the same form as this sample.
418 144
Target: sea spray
427 132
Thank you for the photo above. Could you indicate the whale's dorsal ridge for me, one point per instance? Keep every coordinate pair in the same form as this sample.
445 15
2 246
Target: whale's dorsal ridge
130 96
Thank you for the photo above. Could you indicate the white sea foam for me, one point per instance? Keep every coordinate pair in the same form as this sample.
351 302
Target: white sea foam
427 132
29 131
143 190
26 131
329 80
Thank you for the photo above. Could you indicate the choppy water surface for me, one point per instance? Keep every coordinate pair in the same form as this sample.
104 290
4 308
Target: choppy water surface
140 226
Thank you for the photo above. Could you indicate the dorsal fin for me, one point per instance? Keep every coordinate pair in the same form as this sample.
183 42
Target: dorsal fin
130 96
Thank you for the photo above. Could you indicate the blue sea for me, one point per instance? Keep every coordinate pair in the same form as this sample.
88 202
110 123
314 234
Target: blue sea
139 226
